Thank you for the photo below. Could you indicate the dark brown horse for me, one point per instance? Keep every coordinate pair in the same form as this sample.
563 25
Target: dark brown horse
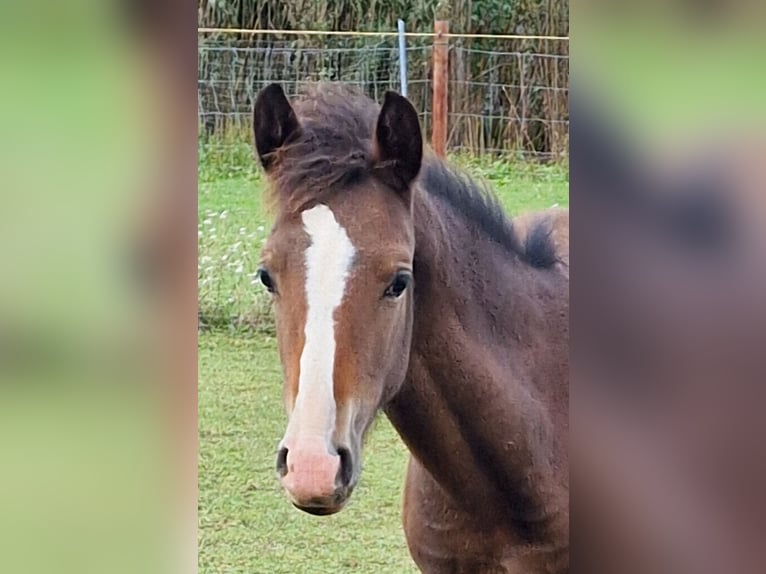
400 285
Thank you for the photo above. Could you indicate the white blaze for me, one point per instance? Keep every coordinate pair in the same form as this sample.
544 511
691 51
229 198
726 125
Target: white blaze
328 260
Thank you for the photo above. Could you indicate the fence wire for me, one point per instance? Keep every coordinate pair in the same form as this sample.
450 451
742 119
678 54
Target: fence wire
505 96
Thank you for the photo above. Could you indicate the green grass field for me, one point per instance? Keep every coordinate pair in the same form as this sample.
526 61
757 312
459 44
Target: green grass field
245 523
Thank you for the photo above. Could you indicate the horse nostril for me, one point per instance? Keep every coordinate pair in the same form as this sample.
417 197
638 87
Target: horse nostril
346 469
282 461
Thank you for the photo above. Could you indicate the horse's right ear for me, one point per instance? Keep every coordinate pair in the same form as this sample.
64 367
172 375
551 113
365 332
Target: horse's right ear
274 121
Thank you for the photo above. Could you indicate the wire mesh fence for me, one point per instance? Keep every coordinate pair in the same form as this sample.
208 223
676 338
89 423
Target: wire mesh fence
505 95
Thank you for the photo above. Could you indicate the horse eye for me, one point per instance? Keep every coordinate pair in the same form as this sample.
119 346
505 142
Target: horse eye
398 285
266 279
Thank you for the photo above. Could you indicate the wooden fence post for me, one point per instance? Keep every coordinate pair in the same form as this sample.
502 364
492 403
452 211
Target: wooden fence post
441 75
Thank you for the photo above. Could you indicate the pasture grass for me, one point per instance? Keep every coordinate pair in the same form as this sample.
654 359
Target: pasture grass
246 525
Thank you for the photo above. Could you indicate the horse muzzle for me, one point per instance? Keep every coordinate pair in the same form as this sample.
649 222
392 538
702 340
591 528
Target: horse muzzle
316 480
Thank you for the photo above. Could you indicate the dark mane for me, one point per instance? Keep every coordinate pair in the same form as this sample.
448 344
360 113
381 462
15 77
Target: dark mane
480 206
333 150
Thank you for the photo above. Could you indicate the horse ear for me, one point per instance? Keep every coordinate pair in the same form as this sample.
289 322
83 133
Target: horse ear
398 141
274 121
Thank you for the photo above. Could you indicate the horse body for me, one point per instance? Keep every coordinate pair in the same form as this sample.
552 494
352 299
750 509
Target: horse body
487 486
426 303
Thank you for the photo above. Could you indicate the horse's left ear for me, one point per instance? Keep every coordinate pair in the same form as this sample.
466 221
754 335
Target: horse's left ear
398 141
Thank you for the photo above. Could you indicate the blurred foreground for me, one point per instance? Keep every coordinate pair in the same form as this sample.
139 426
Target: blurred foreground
97 288
667 181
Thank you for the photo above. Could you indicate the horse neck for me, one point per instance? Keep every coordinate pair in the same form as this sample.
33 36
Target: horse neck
476 404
